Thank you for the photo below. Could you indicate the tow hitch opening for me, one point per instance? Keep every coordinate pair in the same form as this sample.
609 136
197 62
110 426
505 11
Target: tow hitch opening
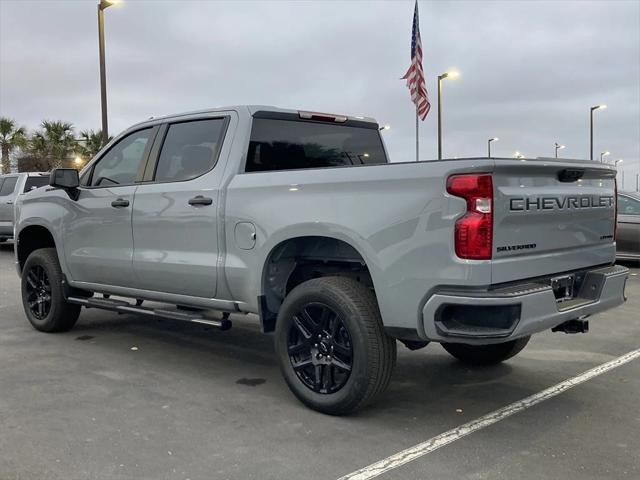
578 325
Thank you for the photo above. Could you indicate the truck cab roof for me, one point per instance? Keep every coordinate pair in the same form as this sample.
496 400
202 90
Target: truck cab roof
251 109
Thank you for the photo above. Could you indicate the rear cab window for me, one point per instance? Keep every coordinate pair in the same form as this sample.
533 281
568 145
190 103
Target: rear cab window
284 141
190 149
34 182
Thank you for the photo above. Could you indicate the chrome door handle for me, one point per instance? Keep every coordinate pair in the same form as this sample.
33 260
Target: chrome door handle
200 200
120 203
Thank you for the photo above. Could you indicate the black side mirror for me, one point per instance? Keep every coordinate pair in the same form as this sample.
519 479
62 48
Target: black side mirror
67 179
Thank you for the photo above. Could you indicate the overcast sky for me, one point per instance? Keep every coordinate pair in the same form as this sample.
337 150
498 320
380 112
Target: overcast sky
530 70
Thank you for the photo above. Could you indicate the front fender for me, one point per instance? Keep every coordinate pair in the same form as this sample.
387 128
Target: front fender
44 209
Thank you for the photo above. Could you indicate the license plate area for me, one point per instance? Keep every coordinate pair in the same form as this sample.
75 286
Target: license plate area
563 287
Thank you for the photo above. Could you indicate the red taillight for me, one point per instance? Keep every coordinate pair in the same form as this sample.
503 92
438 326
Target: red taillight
615 210
474 230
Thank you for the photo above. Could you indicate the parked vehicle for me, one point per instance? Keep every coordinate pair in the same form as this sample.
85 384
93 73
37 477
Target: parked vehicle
299 217
628 238
12 185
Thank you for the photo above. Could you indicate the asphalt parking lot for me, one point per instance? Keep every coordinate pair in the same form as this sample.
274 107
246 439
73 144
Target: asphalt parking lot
193 403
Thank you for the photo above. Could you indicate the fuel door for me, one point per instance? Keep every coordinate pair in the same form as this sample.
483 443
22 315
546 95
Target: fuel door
245 235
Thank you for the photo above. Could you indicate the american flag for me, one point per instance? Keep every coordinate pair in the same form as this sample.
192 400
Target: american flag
415 75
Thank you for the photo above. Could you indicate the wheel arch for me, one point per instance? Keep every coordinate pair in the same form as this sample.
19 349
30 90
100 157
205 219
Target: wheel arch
30 238
299 258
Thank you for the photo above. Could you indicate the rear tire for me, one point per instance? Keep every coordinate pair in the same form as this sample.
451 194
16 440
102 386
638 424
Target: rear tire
42 294
331 329
486 354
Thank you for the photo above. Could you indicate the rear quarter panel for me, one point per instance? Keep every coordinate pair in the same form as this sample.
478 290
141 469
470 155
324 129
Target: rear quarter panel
397 216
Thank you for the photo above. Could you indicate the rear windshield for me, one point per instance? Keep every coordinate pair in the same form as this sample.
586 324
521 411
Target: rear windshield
286 144
35 182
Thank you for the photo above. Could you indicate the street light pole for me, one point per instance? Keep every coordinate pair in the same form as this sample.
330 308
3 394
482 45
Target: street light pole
558 147
595 107
440 78
615 164
102 6
494 139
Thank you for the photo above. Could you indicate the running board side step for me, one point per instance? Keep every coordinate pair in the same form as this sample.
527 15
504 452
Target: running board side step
121 306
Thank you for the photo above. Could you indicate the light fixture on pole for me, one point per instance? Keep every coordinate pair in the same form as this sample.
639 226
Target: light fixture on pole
440 78
385 127
595 107
558 147
604 154
494 139
102 6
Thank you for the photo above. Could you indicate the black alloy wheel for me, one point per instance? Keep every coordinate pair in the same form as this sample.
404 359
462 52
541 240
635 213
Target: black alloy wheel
331 345
42 293
320 348
38 289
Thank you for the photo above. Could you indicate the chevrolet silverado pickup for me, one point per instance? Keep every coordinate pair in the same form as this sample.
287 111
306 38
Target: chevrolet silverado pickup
300 218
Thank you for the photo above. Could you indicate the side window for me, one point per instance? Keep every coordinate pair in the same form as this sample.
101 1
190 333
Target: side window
35 182
628 205
119 166
189 150
8 186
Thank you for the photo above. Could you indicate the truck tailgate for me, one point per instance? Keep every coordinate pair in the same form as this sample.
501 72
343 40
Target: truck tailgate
551 216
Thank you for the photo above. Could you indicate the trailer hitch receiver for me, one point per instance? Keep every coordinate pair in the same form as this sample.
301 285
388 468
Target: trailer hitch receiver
578 325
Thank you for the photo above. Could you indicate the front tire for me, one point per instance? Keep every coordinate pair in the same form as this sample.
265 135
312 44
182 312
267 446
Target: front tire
331 345
486 354
42 295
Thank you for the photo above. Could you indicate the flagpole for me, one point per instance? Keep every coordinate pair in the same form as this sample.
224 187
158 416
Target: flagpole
417 138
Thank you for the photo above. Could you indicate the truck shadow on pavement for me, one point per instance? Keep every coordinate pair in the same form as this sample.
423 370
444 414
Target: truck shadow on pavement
424 382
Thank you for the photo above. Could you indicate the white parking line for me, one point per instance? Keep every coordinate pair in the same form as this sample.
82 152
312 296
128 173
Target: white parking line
417 451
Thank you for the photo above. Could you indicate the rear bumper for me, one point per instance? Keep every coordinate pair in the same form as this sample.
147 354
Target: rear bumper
502 314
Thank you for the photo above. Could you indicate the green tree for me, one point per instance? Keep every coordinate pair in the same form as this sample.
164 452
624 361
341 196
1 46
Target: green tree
11 137
55 142
90 143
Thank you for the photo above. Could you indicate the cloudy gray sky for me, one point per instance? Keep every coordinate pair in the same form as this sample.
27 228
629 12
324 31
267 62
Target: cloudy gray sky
530 70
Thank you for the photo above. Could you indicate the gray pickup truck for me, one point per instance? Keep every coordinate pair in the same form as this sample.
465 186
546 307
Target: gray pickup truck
299 217
11 187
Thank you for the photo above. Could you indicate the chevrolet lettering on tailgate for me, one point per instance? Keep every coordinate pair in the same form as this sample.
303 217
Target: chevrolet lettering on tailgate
559 203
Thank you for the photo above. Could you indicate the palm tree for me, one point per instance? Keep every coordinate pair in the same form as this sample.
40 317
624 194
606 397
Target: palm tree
55 142
11 137
38 152
90 143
